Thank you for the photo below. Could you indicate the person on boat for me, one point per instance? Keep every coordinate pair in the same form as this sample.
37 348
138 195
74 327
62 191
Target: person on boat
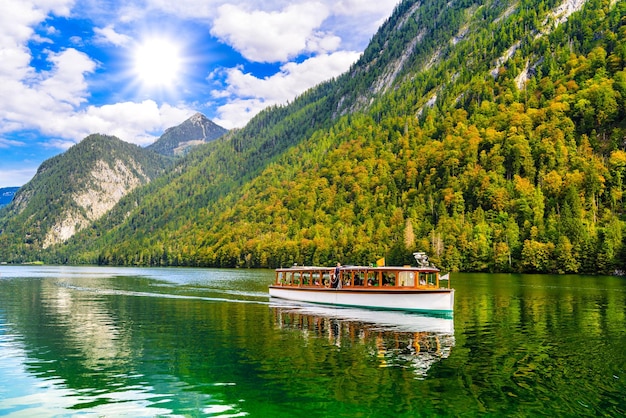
335 282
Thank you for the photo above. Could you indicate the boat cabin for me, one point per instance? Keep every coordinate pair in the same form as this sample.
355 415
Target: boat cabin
360 277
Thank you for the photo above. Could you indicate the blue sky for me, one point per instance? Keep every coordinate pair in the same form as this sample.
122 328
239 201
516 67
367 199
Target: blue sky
69 68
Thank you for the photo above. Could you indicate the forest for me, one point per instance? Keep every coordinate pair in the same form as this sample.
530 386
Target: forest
460 157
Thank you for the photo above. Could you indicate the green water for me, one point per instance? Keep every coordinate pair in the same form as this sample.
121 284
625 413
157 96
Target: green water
195 342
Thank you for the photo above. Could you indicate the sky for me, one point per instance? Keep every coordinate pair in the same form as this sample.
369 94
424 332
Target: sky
133 68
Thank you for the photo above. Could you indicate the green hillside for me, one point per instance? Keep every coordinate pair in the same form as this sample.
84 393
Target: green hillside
488 134
69 190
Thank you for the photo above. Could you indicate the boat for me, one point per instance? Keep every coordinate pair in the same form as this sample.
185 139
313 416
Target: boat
407 288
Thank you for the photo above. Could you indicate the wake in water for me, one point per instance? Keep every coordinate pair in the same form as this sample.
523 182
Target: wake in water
115 292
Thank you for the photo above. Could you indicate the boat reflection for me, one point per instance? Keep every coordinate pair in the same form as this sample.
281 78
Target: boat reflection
391 338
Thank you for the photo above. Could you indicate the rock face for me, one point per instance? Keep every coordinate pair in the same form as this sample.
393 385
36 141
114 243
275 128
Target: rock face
110 184
196 130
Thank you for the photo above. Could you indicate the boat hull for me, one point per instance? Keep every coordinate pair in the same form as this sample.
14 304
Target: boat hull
422 300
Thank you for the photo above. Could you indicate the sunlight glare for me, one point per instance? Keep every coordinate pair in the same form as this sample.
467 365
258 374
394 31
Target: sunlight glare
157 62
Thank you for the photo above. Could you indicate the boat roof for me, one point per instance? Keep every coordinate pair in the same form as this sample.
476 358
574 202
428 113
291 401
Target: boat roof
349 268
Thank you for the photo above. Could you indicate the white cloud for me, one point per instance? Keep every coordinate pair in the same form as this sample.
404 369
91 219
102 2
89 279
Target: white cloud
271 30
57 143
22 90
277 31
249 94
185 8
40 39
206 8
51 30
130 121
42 100
56 102
50 105
16 177
66 83
129 13
274 36
238 112
109 35
15 20
357 7
51 101
6 143
77 41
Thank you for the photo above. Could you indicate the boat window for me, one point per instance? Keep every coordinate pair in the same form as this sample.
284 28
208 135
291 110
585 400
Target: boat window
389 279
318 278
407 278
359 278
428 279
326 279
372 278
346 278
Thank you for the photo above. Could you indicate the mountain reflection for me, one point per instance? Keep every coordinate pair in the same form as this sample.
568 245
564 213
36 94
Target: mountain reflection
391 339
88 325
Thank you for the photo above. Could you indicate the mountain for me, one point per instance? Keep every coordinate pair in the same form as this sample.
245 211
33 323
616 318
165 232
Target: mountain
196 130
489 134
73 189
6 195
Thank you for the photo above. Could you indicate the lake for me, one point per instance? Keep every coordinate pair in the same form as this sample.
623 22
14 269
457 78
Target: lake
98 341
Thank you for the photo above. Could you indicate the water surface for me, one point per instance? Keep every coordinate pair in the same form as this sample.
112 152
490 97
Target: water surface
199 342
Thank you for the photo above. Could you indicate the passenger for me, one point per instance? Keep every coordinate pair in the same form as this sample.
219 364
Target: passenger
335 281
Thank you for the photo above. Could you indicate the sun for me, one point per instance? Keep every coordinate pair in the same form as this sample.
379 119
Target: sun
157 62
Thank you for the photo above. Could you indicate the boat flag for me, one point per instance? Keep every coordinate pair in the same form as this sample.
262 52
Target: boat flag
380 262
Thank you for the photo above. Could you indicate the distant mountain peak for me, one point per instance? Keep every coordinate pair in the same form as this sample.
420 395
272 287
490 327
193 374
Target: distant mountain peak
198 118
196 130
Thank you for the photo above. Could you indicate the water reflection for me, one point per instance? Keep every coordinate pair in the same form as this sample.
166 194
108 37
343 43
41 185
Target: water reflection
180 342
391 339
89 326
107 346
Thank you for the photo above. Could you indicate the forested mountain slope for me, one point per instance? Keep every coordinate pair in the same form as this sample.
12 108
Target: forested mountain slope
72 190
489 134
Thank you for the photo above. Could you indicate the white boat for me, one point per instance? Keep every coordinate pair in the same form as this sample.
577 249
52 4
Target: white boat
398 288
